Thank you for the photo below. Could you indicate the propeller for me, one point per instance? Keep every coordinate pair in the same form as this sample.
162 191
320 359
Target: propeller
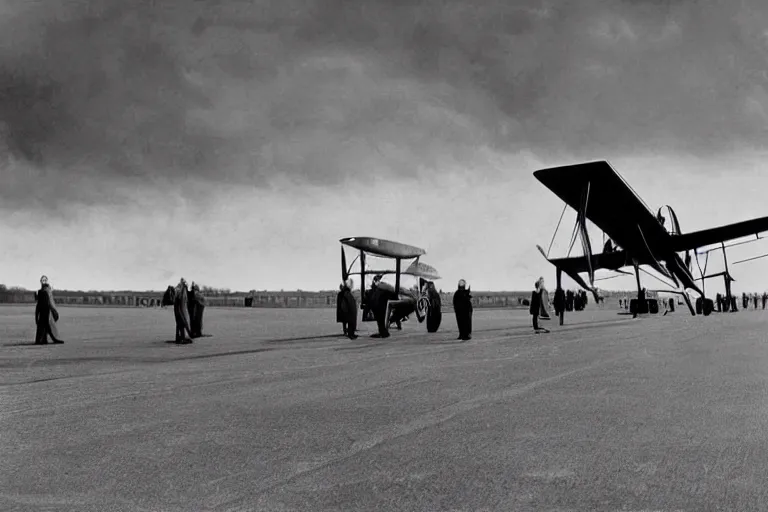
344 271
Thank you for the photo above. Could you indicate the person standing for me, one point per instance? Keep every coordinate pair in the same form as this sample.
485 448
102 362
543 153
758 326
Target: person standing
462 308
559 302
435 312
348 310
196 307
339 315
181 312
46 314
536 305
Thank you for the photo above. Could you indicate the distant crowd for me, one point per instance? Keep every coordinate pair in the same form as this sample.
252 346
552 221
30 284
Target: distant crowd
756 300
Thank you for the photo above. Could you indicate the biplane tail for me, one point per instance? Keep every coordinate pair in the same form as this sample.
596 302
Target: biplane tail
561 264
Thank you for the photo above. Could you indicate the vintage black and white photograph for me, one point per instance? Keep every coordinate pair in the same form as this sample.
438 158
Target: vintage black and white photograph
383 255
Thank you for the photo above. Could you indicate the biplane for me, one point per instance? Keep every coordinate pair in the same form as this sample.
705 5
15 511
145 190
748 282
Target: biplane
422 300
635 236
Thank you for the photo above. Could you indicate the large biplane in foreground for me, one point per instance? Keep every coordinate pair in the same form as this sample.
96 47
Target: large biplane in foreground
422 300
599 194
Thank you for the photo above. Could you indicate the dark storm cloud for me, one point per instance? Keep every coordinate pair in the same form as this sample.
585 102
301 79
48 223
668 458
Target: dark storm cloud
99 93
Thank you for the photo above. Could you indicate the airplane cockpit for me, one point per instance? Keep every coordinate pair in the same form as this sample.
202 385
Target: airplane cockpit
673 228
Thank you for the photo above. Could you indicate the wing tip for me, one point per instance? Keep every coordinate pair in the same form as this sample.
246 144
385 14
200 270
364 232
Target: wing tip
542 172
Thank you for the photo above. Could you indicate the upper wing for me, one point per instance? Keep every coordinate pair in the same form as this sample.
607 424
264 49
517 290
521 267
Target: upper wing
612 205
383 248
719 234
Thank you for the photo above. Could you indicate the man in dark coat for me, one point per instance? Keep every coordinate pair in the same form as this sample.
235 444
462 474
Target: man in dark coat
559 302
435 313
196 305
169 296
46 315
378 298
348 310
339 315
462 307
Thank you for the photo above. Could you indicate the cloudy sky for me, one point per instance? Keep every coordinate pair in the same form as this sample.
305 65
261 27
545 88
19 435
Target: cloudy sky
234 142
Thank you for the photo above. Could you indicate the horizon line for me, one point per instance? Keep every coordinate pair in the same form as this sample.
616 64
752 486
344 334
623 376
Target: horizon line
11 289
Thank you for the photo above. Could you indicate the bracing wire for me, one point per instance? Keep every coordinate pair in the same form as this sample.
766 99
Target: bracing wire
556 229
700 270
750 259
609 277
657 278
353 262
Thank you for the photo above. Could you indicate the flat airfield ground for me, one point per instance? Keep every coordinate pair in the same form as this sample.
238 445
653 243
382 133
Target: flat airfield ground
278 412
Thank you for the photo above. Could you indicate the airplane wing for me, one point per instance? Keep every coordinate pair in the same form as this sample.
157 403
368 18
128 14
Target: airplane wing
612 205
383 248
696 239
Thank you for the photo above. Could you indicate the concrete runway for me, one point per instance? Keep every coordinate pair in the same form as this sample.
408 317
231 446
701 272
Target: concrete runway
606 413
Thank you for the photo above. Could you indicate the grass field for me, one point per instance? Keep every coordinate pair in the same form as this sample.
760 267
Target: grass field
276 411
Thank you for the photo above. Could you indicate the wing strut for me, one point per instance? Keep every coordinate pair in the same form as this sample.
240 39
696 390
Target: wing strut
581 222
657 266
349 270
702 272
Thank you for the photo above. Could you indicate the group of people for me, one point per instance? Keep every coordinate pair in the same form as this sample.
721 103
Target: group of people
378 295
755 298
376 302
570 301
722 304
188 306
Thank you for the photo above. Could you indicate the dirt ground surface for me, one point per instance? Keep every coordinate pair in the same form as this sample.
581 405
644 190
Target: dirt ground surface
276 411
